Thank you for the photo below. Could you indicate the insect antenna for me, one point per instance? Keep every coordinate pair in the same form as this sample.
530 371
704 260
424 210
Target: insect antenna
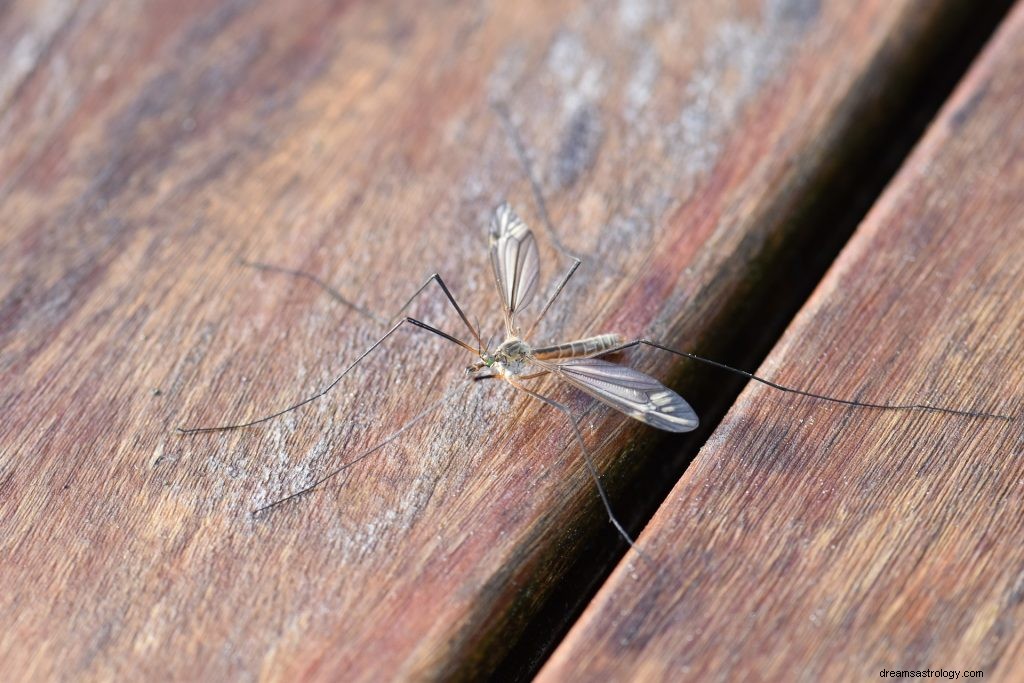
450 394
322 392
811 394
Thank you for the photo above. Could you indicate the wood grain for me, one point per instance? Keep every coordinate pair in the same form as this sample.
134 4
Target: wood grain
148 146
814 542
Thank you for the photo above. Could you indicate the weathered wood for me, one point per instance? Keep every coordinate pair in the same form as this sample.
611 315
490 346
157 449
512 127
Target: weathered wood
148 146
815 542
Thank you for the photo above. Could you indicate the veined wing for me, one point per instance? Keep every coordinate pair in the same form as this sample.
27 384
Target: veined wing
638 395
514 258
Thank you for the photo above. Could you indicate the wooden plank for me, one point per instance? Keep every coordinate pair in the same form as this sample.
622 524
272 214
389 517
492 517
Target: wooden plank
149 146
816 542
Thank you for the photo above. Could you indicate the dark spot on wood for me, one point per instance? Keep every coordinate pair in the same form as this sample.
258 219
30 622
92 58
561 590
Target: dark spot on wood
212 25
1016 595
6 483
964 112
13 307
579 147
798 11
400 31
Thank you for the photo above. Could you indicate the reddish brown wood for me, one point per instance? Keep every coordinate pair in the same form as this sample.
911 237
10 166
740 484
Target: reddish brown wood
147 146
823 543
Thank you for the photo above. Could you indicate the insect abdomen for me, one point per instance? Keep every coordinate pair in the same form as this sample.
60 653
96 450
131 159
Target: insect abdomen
591 346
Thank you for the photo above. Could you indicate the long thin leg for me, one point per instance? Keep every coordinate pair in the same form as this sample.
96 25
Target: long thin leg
534 375
334 294
412 321
451 393
558 290
337 296
538 196
451 299
586 459
810 394
524 160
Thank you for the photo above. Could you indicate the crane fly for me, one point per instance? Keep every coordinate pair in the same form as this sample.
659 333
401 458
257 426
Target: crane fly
515 264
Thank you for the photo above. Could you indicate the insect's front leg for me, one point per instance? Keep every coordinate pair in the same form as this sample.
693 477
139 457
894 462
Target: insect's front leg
477 378
331 291
362 310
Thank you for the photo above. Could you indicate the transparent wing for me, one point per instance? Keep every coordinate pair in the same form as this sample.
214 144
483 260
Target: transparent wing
638 395
515 259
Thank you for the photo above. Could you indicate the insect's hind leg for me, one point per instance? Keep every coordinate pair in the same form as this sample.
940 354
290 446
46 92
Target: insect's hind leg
801 392
589 462
320 481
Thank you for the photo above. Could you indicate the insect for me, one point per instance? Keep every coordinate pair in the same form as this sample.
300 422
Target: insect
515 265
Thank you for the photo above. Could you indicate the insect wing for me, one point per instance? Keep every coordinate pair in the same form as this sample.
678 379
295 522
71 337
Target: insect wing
515 259
638 395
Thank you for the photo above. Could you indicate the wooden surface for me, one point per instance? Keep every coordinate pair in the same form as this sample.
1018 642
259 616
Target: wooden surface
810 542
149 146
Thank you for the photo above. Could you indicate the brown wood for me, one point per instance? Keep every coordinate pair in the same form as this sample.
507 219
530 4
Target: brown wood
815 542
148 146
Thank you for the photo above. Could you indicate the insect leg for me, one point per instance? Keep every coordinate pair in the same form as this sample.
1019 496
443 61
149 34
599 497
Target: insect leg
558 290
501 110
451 393
333 293
412 321
451 299
534 375
591 468
337 296
810 394
524 160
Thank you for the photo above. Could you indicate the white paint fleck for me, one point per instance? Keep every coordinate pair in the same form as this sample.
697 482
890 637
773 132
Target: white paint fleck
634 14
739 59
506 73
641 84
580 74
32 45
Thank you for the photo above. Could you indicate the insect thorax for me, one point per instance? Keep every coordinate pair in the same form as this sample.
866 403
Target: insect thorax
512 358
